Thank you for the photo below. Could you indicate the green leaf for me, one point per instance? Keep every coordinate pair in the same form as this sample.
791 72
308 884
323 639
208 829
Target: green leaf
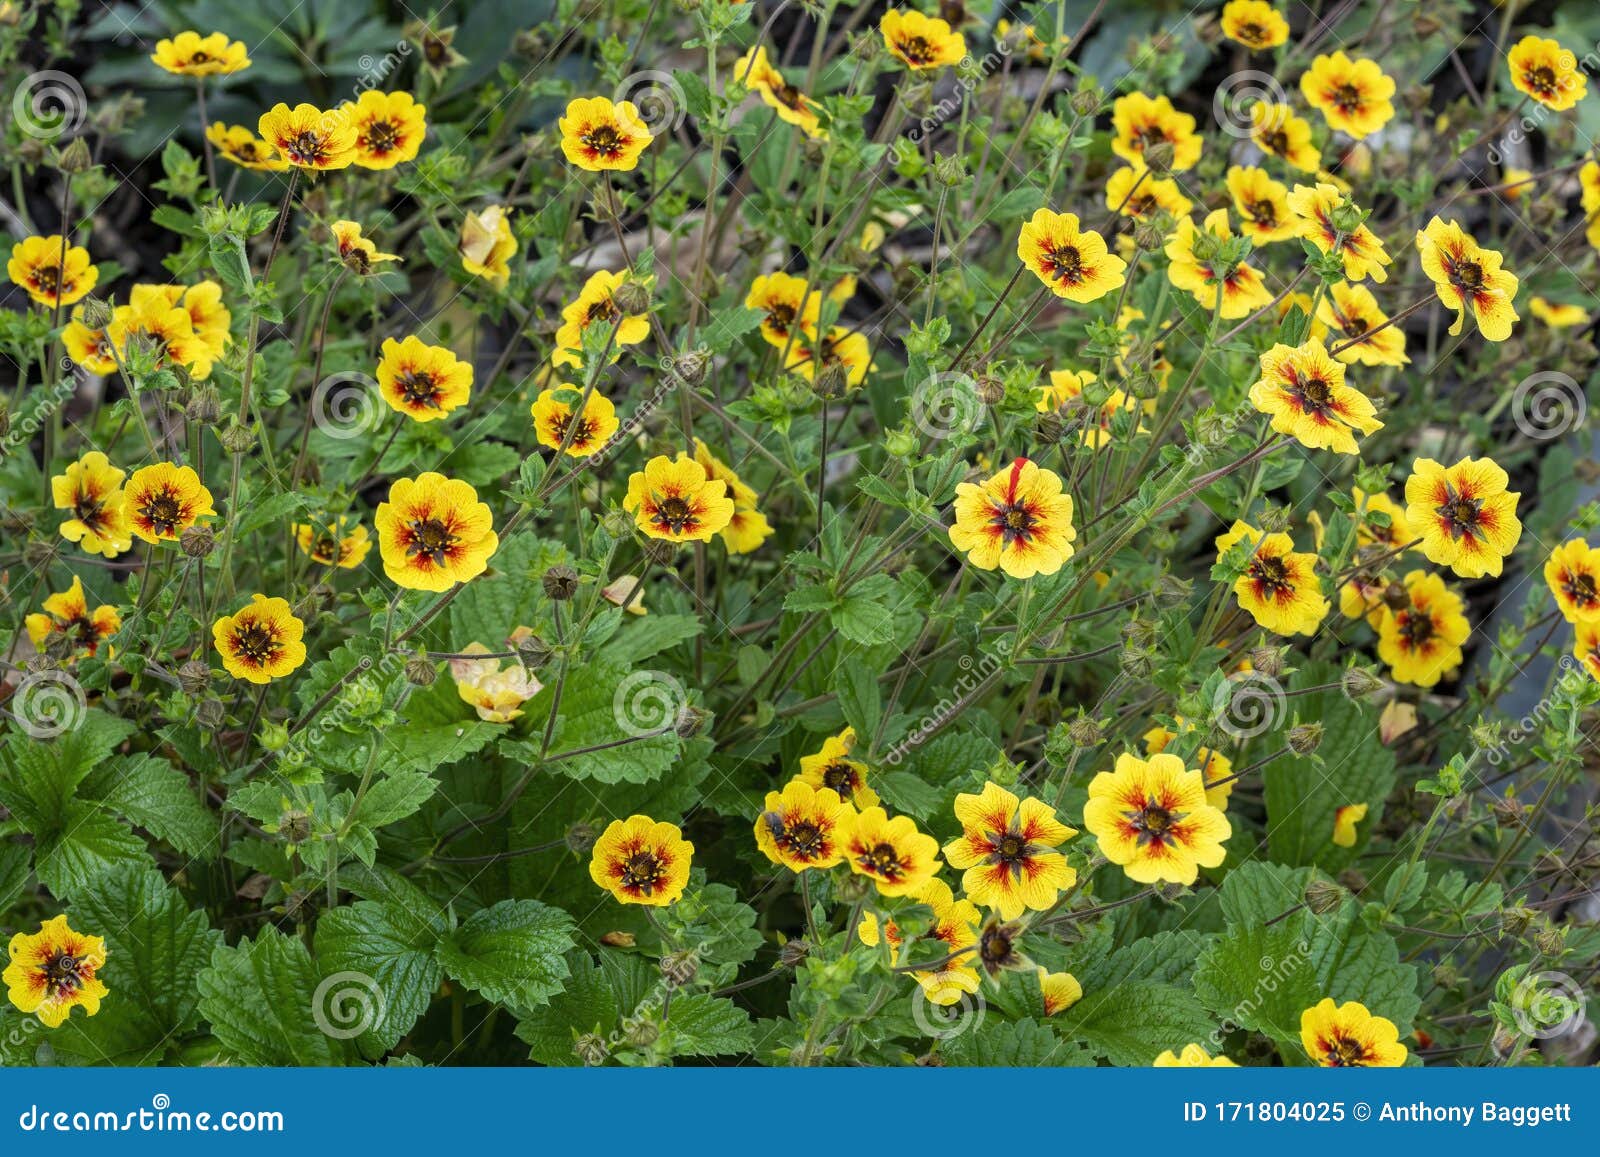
260 998
512 952
438 730
73 857
15 862
702 1025
1010 1044
395 797
367 939
860 699
598 700
152 794
643 638
586 1005
1131 1022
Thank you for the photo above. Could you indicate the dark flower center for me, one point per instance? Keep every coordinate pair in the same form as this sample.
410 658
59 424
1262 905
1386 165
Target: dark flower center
255 642
431 539
1271 575
839 776
89 510
1263 213
163 512
1314 394
1154 823
1468 275
580 436
1416 627
49 279
883 860
1016 523
1462 516
61 973
382 136
643 872
418 388
1347 97
200 57
674 513
804 839
1065 262
1345 1052
1580 588
603 140
1276 141
304 148
1542 79
917 50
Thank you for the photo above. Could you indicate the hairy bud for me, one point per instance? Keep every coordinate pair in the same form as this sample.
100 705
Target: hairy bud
560 582
679 968
194 677
421 671
197 541
1359 683
1323 896
632 297
1305 738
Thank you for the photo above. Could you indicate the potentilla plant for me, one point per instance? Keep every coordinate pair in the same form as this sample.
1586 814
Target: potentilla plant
801 535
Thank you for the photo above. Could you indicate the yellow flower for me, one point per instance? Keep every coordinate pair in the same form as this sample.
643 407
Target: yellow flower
1060 991
164 500
1073 262
1262 205
600 137
165 327
1586 648
1558 315
1392 537
1139 121
642 861
804 827
673 499
496 695
867 931
1352 95
553 412
1142 199
1151 818
794 107
1009 852
1216 767
1421 642
389 127
954 929
1278 132
1316 208
1279 587
424 382
1019 521
190 54
790 307
52 970
1352 312
309 138
433 533
1521 182
52 271
262 642
595 304
238 145
91 490
487 245
1192 1057
1303 390
832 767
1348 1036
1345 819
1465 516
1066 387
330 546
748 528
358 254
1243 291
921 42
1573 575
891 852
89 348
1547 72
209 320
67 619
1254 23
845 348
1589 182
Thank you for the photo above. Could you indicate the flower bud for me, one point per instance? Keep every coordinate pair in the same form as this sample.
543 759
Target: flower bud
690 366
204 406
832 380
1395 597
659 551
950 171
197 541
1172 592
1085 732
991 390
640 1034
1359 683
1148 237
632 297
209 713
75 158
1136 663
793 953
591 1049
1158 158
689 722
580 838
1086 102
237 439
560 582
1305 738
1049 428
295 825
1323 896
96 312
194 677
421 671
1267 660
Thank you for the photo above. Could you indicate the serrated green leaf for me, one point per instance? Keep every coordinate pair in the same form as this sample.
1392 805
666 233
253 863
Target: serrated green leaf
512 953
